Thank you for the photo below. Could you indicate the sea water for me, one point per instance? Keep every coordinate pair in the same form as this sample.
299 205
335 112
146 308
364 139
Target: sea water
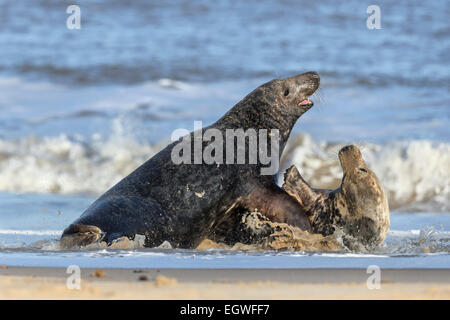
81 109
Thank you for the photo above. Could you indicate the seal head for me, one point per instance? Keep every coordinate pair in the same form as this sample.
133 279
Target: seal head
276 104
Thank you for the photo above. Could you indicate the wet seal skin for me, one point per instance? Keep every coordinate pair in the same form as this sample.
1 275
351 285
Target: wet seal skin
182 203
358 208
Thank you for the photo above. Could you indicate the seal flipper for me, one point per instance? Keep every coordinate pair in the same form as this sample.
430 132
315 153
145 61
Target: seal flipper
298 188
80 235
317 203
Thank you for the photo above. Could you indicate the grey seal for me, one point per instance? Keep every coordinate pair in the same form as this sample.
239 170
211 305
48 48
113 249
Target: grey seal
359 207
182 203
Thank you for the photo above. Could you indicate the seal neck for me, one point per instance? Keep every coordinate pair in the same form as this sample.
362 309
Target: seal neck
258 111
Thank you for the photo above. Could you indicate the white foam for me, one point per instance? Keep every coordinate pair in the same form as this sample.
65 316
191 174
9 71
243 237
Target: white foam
66 166
426 240
415 174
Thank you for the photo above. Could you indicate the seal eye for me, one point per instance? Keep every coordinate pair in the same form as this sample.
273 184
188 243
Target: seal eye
362 169
286 92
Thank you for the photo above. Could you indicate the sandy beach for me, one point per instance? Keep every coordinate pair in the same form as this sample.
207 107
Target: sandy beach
228 284
96 96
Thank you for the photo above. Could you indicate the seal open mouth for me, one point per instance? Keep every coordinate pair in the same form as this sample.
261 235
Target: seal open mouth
306 102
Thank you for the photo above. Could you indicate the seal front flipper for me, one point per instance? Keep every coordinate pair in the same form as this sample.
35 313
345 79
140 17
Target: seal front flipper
297 187
315 202
80 235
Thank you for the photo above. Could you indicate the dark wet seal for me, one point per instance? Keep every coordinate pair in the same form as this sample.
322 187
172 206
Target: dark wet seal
358 208
182 203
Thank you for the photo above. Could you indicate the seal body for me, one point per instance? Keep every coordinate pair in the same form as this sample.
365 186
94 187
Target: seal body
181 203
358 208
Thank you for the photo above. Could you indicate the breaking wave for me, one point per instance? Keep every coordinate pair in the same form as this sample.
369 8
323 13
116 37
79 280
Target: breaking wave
415 174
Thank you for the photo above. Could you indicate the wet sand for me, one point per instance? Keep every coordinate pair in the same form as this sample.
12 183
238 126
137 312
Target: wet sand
50 283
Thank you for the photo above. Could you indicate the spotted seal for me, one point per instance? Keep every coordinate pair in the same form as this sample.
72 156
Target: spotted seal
359 207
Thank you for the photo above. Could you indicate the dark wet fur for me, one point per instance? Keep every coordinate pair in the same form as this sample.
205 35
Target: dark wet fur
161 199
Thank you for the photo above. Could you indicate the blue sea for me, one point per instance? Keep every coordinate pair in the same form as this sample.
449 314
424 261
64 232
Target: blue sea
82 108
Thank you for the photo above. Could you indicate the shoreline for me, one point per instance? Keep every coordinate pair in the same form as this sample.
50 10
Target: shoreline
205 284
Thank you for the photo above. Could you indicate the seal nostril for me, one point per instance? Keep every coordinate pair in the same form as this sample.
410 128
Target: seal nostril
362 169
286 92
313 75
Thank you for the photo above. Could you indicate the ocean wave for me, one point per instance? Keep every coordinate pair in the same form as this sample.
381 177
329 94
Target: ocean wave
123 74
66 165
415 174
